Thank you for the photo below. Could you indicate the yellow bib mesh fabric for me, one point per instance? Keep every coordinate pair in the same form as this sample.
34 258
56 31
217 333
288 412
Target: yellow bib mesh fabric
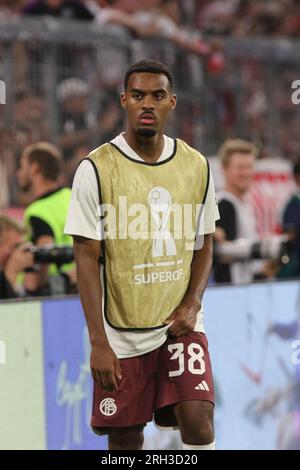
147 254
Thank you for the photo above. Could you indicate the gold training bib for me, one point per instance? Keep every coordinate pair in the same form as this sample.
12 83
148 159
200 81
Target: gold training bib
148 218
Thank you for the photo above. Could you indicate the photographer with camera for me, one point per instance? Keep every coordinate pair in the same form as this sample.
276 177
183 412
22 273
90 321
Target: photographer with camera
39 177
239 250
14 257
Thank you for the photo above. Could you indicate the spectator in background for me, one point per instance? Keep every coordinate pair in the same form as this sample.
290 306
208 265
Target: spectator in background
113 11
73 109
11 6
68 9
128 6
241 254
291 225
14 257
163 18
215 16
290 25
39 175
30 114
237 220
248 18
67 55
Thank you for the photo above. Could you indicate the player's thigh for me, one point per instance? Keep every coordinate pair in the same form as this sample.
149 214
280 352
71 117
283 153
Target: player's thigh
194 413
195 421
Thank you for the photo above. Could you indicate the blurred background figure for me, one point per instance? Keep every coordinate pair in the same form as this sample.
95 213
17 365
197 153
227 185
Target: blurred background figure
291 225
241 254
11 6
68 9
74 124
15 257
237 220
164 19
39 176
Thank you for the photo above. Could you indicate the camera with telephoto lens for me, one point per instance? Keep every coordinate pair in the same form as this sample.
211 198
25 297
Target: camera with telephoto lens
276 247
56 254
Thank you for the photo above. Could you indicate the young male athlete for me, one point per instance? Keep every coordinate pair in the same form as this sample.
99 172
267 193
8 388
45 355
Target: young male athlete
143 303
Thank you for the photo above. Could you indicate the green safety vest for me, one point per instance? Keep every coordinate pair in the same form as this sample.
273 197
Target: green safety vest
52 210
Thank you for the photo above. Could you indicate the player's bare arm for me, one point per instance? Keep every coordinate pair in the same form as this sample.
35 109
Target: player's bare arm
104 363
184 316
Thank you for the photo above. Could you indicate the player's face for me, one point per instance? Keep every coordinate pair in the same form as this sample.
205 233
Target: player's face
240 171
148 100
24 174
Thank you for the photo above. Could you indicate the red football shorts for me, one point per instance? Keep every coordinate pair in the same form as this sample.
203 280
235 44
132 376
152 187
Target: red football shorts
153 383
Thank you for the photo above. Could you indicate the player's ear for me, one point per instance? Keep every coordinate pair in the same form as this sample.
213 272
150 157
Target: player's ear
123 99
173 101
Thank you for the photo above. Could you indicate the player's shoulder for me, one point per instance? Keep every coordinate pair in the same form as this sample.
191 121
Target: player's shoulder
87 168
189 151
100 152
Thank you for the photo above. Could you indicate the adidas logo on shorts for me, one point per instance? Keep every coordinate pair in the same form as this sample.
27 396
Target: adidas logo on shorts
202 386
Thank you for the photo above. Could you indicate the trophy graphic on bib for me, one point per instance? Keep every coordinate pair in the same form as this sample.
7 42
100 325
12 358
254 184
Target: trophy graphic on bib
160 201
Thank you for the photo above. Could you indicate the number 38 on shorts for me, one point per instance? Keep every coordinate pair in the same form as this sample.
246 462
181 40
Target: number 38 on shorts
195 354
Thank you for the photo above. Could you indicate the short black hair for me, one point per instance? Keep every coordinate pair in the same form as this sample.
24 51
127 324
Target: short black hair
149 66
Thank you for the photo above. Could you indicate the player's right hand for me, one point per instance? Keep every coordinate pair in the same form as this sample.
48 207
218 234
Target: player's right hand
105 367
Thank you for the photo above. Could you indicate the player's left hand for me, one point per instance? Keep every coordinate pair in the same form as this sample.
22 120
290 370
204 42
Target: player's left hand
184 318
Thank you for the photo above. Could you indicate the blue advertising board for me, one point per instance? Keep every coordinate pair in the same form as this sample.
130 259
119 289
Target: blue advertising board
254 334
68 383
254 341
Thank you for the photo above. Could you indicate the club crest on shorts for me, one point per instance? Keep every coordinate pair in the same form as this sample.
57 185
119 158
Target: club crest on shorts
108 407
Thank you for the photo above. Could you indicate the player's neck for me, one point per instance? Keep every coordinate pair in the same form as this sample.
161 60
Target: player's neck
148 148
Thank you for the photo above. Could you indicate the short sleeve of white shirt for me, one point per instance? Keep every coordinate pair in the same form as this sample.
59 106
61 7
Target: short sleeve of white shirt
83 215
83 218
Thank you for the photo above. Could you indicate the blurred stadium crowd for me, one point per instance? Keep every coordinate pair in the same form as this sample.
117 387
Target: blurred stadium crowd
234 61
225 17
